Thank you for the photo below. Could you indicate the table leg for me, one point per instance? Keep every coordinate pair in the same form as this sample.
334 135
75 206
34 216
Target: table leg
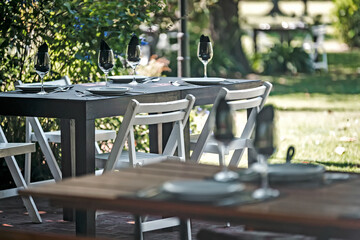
85 223
185 229
85 164
67 130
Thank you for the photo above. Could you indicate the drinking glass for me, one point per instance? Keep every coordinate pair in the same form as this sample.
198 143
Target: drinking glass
42 67
224 134
264 191
265 145
106 62
133 59
205 54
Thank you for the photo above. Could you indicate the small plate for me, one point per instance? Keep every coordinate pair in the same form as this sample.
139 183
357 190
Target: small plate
126 78
34 88
108 91
204 81
289 172
201 190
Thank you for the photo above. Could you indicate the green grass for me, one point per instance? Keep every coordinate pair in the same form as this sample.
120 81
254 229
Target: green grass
318 113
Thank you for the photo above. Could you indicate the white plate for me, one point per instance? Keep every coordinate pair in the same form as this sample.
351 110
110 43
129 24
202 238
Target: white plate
204 81
126 78
295 172
33 88
201 190
108 91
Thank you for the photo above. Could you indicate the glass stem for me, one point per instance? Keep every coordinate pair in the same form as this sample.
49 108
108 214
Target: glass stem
42 84
222 157
205 69
264 174
134 74
106 83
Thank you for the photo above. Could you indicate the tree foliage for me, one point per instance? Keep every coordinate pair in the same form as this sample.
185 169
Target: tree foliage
72 29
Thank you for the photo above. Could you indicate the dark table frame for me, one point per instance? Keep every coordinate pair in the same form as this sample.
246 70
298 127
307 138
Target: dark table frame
78 116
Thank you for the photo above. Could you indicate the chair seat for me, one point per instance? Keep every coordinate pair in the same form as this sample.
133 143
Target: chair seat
12 149
212 145
141 159
55 136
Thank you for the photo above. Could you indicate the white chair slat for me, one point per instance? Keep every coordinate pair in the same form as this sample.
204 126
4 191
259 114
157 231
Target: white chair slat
245 94
163 106
159 118
245 104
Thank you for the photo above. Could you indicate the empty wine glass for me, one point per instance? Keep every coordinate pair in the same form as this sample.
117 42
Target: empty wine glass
106 62
133 59
264 144
205 54
42 67
224 135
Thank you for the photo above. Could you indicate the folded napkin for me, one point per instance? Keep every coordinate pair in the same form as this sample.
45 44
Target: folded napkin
41 61
132 49
204 48
104 45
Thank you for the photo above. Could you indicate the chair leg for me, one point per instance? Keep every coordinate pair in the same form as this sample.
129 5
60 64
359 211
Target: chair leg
138 232
20 182
45 148
27 166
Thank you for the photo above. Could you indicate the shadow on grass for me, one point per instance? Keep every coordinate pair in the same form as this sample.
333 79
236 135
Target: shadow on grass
343 78
328 163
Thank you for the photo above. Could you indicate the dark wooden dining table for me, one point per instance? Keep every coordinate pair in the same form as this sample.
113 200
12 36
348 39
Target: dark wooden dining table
77 116
324 211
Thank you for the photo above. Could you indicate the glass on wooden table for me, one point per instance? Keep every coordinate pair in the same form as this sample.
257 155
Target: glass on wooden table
42 65
105 59
264 144
224 134
205 52
133 53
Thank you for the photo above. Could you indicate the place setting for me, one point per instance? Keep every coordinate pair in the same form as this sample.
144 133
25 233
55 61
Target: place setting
224 188
204 54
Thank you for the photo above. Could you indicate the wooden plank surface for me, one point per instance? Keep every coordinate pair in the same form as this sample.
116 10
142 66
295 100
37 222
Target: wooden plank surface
315 210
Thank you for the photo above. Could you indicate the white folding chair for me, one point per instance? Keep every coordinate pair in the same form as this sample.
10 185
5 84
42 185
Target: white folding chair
314 46
35 133
8 151
176 112
253 100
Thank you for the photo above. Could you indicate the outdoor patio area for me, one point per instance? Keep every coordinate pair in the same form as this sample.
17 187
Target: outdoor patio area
112 225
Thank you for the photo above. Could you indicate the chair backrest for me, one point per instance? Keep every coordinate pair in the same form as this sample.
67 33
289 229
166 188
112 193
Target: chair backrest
176 112
252 99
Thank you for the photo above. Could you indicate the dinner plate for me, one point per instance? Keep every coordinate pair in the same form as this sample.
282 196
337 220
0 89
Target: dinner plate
126 78
108 91
295 172
201 190
204 81
34 88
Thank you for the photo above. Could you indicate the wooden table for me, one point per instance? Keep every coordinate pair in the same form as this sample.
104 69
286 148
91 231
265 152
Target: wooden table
78 116
325 211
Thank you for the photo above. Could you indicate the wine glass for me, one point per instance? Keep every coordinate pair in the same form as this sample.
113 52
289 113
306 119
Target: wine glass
264 144
106 62
133 59
205 54
42 67
224 135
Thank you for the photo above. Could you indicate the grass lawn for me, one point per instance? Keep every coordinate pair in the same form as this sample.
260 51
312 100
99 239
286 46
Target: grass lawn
319 114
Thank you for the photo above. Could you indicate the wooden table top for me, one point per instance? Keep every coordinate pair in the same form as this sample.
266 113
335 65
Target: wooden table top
329 210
